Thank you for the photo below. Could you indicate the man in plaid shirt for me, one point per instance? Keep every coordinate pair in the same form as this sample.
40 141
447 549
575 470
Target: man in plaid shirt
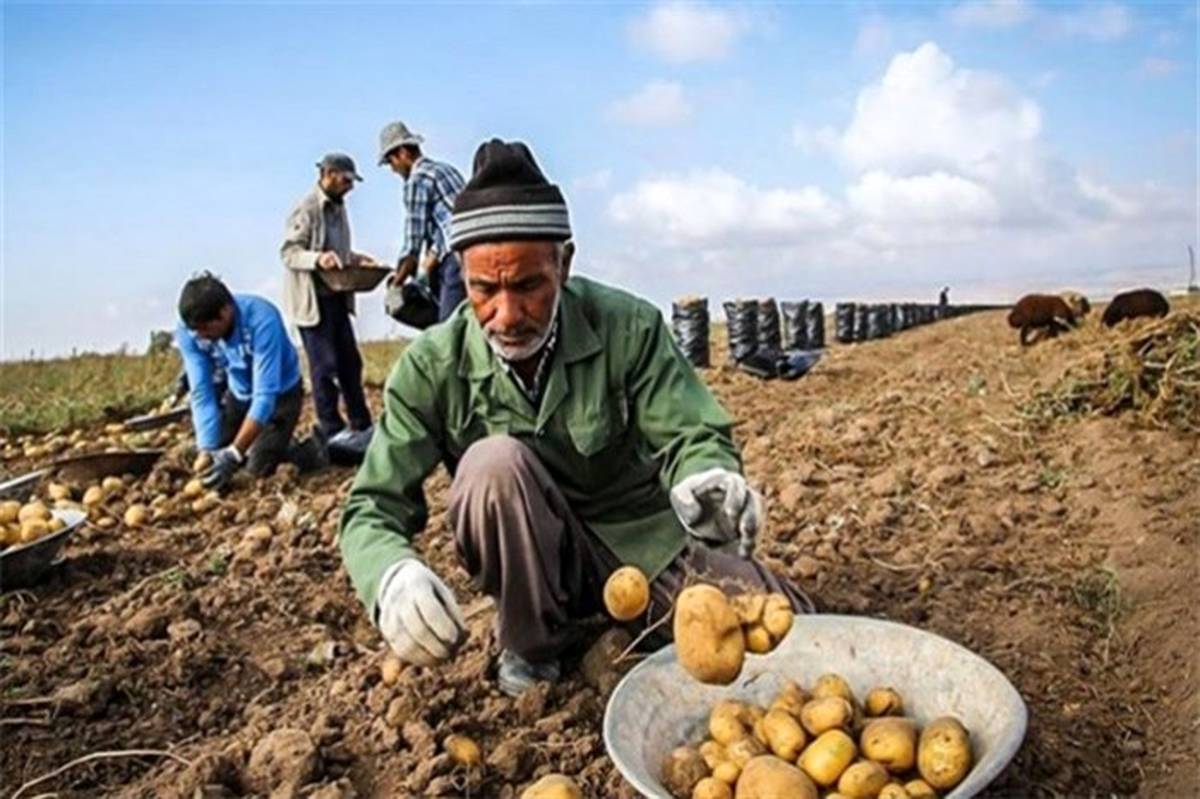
429 191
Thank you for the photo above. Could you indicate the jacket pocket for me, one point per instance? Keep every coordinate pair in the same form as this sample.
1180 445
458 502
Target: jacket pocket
596 426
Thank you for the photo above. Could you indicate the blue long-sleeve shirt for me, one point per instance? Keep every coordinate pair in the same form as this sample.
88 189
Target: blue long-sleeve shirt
260 364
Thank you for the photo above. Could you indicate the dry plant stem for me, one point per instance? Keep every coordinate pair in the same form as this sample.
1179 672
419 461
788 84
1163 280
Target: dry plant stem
79 761
642 637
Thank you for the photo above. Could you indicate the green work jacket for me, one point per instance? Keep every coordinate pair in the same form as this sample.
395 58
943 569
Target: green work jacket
623 418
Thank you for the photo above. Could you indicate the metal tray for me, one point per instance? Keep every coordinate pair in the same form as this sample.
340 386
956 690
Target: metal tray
657 706
152 421
354 278
20 487
24 565
98 465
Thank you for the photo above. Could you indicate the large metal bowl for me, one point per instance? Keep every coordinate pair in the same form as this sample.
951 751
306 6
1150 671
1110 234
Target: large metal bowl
98 465
24 565
657 706
354 278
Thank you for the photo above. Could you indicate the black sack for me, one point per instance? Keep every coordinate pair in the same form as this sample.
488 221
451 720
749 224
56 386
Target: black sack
689 321
741 317
412 304
768 325
862 330
843 322
795 324
814 327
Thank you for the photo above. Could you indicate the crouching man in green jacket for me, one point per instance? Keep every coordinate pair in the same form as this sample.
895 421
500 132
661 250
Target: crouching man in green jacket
579 439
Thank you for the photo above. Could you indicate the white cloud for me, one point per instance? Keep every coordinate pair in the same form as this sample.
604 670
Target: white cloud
1101 22
1157 67
816 141
874 35
938 198
991 13
679 31
657 104
717 208
925 114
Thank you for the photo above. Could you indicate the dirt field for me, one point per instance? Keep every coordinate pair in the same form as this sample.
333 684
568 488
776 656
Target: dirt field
902 482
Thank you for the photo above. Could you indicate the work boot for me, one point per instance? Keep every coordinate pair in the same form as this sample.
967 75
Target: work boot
311 454
516 675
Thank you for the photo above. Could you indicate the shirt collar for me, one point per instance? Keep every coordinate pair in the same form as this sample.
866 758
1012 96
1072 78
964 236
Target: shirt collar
533 392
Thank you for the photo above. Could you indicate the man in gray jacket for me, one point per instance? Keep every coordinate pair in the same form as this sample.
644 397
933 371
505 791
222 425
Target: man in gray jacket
318 239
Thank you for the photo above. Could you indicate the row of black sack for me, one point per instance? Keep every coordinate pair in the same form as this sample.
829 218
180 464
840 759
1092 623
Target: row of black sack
857 322
766 338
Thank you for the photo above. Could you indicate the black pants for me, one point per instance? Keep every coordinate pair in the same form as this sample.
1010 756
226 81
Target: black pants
274 444
335 366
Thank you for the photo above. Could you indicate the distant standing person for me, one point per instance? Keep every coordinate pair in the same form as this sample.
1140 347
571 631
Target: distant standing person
318 239
249 419
429 190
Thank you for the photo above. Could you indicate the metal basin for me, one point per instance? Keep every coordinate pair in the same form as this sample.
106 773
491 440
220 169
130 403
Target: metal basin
24 565
657 706
153 421
98 465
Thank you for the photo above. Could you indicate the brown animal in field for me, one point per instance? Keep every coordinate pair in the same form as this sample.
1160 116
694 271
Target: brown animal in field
1046 312
1134 304
1078 303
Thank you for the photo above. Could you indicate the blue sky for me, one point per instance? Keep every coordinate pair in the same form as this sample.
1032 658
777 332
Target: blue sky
870 151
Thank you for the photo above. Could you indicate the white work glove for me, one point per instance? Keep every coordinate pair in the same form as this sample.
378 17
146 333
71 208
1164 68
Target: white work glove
418 614
719 508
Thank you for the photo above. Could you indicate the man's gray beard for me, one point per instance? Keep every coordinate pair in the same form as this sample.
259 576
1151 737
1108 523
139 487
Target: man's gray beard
529 350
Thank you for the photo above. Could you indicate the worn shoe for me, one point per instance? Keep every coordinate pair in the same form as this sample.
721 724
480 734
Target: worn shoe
516 675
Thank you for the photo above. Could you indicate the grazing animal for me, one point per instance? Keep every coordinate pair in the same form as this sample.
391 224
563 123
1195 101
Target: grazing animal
1133 304
1078 303
1046 312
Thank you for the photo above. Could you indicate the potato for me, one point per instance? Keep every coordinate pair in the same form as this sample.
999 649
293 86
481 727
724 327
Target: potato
55 524
758 640
682 769
10 511
863 780
827 713
944 753
725 722
883 702
789 703
894 790
463 751
33 510
193 489
553 786
107 523
727 772
890 741
58 491
785 736
112 485
136 515
749 607
389 672
777 617
10 534
713 753
919 789
827 757
626 593
743 750
33 529
832 685
708 637
202 462
93 496
712 788
206 503
768 777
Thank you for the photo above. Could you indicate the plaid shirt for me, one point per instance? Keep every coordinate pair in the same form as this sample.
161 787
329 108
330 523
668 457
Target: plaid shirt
429 196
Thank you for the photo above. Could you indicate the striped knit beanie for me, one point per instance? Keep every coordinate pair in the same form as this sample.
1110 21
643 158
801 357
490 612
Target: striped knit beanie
507 199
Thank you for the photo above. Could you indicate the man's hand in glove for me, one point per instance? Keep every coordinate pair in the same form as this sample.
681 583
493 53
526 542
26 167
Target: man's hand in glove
224 463
719 508
418 614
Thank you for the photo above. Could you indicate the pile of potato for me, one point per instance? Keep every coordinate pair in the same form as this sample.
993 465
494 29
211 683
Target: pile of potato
24 524
823 744
713 632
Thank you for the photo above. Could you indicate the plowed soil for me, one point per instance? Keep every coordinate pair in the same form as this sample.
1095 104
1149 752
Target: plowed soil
902 483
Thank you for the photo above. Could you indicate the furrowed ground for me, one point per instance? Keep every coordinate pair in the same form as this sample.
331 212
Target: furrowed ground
920 478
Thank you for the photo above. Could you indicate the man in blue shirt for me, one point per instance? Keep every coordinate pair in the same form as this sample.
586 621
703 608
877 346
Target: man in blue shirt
252 422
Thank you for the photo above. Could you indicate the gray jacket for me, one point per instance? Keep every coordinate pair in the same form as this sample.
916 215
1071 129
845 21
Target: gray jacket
303 240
